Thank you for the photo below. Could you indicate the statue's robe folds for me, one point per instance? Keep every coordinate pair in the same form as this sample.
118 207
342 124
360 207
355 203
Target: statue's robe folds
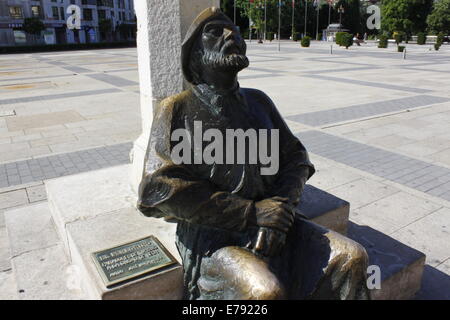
213 204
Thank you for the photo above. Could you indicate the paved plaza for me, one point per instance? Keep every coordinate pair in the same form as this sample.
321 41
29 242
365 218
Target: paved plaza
376 126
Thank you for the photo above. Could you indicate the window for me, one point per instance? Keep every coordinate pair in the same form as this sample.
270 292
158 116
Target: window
55 13
84 2
16 12
61 10
36 11
101 14
72 1
87 14
105 3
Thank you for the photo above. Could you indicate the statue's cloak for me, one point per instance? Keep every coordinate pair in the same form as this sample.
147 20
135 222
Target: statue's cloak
212 203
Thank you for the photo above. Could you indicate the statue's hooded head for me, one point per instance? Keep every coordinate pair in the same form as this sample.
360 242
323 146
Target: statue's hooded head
212 44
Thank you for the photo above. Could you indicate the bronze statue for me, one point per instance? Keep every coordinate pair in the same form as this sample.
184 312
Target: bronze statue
238 232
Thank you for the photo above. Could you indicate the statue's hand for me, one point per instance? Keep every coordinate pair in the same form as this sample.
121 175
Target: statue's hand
269 242
274 214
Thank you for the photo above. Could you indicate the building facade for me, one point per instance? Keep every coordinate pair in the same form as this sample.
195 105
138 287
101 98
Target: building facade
101 20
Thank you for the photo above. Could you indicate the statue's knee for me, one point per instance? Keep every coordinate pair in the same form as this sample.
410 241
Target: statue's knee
358 255
235 273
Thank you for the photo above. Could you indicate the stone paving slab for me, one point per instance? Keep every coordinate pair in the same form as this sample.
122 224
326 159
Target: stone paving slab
17 173
113 80
394 212
8 286
423 176
5 254
57 96
30 228
43 275
429 234
13 199
368 83
354 112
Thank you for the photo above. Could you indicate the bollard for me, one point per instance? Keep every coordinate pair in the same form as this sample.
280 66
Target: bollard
404 54
331 49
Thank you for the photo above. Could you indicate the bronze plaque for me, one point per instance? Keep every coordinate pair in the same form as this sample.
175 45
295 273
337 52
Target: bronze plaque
132 260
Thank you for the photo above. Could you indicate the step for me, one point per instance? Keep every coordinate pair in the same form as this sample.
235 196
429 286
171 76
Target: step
94 212
324 209
401 266
41 268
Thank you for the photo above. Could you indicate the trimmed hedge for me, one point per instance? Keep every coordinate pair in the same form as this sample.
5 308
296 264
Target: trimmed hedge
399 37
383 41
347 40
400 48
306 41
339 36
67 46
439 41
421 38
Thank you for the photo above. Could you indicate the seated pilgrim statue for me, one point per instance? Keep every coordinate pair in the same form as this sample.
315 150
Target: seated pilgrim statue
239 233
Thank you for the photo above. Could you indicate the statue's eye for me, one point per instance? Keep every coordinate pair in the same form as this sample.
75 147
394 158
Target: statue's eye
216 31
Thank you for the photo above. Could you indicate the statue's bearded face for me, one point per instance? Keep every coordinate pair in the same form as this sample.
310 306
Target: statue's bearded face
223 47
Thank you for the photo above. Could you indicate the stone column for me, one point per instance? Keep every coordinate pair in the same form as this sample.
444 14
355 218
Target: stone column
162 25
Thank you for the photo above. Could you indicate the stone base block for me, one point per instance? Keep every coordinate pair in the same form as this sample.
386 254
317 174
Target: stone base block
401 266
95 211
325 209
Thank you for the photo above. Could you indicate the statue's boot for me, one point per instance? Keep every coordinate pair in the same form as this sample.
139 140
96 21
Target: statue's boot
316 263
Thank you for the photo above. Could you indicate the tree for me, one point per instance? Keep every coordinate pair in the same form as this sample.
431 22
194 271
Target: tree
351 18
33 26
408 16
439 19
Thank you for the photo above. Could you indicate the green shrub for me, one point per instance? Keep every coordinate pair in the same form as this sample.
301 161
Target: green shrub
339 36
270 36
347 40
295 36
400 48
383 41
306 41
437 46
421 38
399 37
440 38
244 34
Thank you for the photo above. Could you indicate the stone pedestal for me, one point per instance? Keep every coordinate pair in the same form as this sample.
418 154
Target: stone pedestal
94 211
161 28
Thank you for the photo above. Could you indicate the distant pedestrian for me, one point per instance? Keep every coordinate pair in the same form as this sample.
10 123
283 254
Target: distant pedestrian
357 40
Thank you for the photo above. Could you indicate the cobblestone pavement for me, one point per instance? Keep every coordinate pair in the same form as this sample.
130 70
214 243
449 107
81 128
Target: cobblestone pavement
377 127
